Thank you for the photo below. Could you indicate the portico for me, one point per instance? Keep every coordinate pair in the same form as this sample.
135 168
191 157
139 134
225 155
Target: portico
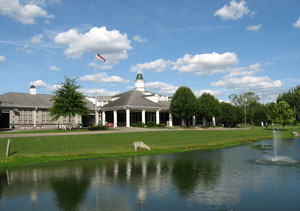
137 105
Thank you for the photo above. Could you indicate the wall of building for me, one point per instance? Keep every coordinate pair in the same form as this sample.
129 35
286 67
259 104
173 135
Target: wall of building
28 118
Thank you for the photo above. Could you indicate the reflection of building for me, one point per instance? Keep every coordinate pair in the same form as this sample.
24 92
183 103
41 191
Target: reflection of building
137 105
31 110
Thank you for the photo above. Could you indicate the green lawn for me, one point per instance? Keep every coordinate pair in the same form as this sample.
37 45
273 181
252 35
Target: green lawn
33 150
50 131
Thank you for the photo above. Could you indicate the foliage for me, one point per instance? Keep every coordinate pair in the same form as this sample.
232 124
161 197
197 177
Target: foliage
68 101
208 106
230 115
150 124
183 104
138 124
160 125
260 114
98 127
271 115
292 97
284 115
244 99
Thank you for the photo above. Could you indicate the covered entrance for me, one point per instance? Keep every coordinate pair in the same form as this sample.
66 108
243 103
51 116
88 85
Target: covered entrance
4 120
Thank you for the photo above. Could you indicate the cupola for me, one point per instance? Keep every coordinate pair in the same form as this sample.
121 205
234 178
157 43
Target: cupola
139 82
32 90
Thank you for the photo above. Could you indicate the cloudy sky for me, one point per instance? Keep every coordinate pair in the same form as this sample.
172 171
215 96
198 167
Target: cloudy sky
215 46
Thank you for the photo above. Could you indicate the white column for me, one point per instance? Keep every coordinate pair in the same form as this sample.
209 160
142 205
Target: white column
34 117
96 118
194 121
170 120
214 121
103 118
157 117
115 118
127 117
144 116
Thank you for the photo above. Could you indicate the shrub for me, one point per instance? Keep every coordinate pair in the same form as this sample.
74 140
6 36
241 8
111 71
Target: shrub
160 125
150 124
138 124
98 127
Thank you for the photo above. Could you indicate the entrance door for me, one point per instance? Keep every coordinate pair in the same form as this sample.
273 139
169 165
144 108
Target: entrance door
4 120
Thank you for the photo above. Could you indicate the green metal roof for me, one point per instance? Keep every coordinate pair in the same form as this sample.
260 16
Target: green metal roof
139 76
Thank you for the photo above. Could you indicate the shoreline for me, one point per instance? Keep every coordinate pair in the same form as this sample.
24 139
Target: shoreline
193 140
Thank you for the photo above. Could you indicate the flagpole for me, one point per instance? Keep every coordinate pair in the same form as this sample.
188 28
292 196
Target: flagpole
96 113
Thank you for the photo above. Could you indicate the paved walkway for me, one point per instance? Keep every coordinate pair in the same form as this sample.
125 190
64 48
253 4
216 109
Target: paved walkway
119 130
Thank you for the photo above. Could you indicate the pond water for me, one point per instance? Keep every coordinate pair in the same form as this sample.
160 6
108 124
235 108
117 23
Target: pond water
227 179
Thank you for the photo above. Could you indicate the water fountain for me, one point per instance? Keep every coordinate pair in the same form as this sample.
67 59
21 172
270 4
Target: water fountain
276 159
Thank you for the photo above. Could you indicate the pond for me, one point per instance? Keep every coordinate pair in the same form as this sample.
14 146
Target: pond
226 179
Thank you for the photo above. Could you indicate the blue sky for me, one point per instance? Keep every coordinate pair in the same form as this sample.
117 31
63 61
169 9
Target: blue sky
215 46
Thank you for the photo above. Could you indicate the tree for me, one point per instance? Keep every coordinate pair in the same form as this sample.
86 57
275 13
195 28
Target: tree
230 115
284 115
271 115
248 102
260 114
244 99
68 101
292 97
208 107
183 104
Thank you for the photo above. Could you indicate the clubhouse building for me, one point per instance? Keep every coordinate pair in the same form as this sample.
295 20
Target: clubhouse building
31 110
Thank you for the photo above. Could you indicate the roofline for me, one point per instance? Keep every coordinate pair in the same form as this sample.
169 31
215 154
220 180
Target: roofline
137 107
33 107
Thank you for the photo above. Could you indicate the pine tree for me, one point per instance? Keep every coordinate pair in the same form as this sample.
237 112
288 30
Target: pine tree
68 101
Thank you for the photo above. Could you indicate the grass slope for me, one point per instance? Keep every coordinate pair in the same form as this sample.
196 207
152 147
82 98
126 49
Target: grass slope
34 150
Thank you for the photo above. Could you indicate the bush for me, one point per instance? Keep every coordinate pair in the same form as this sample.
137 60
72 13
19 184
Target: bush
98 127
160 125
138 124
150 124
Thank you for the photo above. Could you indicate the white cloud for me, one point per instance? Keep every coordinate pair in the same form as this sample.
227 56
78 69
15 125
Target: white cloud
26 14
233 11
52 88
161 87
254 28
297 23
37 38
101 66
250 82
112 45
38 83
139 39
206 64
246 80
25 48
104 78
2 59
102 92
212 92
54 68
157 65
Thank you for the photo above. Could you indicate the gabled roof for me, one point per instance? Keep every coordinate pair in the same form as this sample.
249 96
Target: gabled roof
132 98
25 100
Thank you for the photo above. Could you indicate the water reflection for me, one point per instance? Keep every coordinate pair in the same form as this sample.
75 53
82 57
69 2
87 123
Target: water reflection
207 180
70 191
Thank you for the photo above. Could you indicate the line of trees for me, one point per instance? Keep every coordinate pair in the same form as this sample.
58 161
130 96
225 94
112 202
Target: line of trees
244 108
